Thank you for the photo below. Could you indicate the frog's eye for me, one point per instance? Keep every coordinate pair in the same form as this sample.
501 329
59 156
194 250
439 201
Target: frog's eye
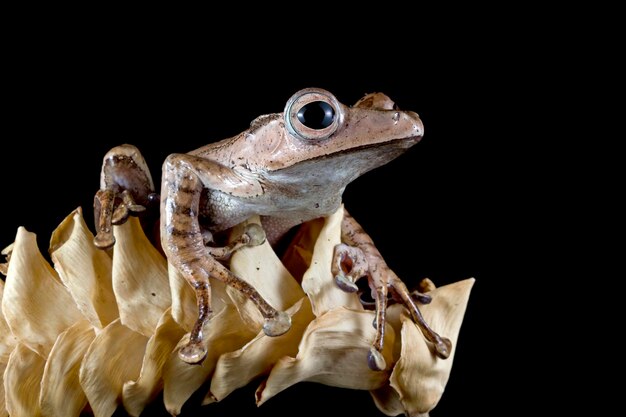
312 114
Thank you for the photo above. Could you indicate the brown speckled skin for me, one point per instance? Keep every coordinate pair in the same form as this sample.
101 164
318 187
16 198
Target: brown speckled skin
358 257
280 169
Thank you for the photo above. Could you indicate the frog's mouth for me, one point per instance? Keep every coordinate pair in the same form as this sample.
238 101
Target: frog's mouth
344 166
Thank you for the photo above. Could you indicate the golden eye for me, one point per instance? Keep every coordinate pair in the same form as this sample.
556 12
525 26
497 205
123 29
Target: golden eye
313 114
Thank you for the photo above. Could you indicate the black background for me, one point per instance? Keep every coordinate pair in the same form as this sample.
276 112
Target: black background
439 211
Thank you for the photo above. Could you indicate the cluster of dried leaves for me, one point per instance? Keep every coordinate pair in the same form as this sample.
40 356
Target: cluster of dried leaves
101 329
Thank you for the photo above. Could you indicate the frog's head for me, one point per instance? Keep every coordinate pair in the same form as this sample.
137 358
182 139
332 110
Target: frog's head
319 141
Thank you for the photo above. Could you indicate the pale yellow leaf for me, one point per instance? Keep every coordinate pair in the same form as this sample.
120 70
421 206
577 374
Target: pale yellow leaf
419 377
3 407
21 382
298 255
61 394
114 357
333 351
138 394
140 280
318 281
7 344
184 307
84 269
260 267
236 369
225 332
387 400
36 305
7 339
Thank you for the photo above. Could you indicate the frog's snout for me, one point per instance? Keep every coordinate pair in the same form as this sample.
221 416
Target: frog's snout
418 126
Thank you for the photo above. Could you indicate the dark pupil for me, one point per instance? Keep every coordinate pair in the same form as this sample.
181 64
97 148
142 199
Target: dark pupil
316 115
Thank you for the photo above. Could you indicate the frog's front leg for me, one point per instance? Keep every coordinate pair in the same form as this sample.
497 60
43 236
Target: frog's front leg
126 188
363 259
184 178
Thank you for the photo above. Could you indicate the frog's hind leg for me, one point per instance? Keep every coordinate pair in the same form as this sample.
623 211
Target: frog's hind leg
183 242
363 259
126 188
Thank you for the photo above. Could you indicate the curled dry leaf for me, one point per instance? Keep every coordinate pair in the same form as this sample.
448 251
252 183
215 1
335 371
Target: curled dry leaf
184 309
419 377
140 279
138 394
36 305
84 270
61 393
236 369
333 351
318 281
62 342
225 332
255 265
114 357
22 379
7 344
260 267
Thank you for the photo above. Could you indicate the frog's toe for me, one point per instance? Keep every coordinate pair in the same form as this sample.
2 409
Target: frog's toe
128 207
104 239
375 360
277 325
192 353
349 264
443 347
345 283
255 233
421 298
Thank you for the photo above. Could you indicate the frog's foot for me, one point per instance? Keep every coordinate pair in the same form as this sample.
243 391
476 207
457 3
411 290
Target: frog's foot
277 325
193 353
4 267
127 207
195 350
349 264
252 235
442 345
126 188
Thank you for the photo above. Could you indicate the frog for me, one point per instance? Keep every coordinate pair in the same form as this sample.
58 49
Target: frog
287 168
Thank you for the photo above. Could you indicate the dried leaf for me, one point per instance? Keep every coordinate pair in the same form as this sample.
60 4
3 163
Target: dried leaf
419 377
21 382
236 369
36 306
298 255
225 332
7 344
184 308
140 279
114 357
84 269
333 351
260 267
318 281
138 394
7 339
387 400
3 407
61 393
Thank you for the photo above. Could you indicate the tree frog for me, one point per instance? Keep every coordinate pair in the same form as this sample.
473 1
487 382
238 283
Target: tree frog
288 168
